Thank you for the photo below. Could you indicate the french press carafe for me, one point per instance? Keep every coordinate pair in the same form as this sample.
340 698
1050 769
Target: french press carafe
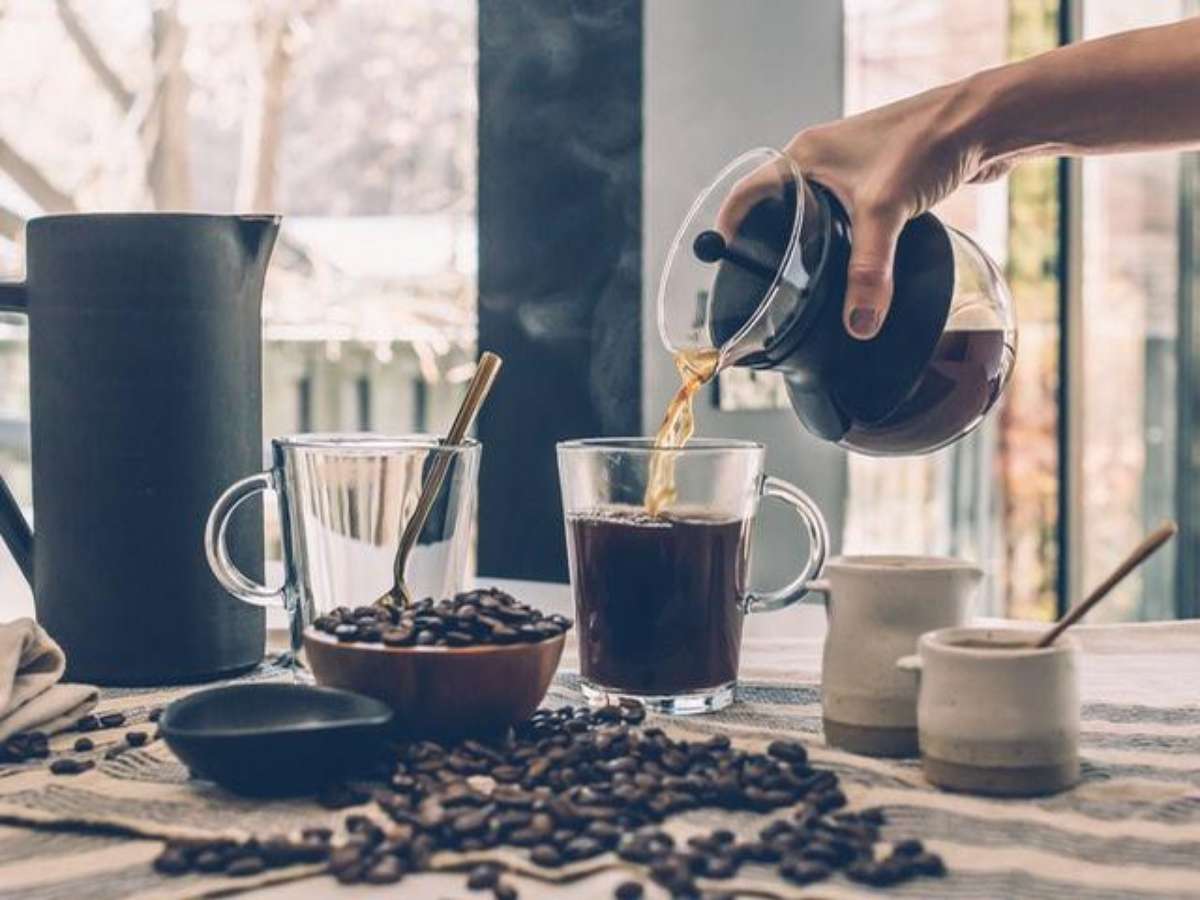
757 272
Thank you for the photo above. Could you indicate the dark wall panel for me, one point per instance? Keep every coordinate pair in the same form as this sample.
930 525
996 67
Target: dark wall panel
560 153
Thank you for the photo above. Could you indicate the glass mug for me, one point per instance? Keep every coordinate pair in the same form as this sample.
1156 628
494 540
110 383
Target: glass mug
659 600
343 502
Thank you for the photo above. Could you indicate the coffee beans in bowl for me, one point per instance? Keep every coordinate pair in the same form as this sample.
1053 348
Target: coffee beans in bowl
474 618
472 664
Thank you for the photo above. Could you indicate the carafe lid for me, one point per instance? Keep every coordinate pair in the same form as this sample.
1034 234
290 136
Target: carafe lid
748 222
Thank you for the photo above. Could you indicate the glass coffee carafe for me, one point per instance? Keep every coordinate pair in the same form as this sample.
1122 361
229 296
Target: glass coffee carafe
757 275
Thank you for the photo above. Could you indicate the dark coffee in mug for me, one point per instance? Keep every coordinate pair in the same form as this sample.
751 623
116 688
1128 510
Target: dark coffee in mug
658 599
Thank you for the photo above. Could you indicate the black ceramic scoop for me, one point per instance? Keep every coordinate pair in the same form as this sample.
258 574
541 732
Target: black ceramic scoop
276 739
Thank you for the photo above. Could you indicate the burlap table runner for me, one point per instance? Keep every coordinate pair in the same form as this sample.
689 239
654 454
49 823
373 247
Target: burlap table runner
1130 829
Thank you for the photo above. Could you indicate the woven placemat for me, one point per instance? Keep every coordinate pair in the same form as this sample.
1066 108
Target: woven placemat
1130 829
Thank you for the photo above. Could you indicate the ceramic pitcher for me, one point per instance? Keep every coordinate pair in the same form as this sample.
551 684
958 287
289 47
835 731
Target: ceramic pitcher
145 369
878 607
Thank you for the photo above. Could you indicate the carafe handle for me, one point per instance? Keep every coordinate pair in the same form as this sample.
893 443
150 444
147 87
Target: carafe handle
14 527
216 548
818 546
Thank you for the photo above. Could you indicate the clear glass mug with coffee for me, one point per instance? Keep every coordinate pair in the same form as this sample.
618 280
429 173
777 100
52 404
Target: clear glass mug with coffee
660 594
756 277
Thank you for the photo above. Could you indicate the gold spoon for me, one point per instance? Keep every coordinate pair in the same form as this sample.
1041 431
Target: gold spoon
1136 557
477 391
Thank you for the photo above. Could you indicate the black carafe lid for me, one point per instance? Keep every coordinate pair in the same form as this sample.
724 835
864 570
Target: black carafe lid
833 379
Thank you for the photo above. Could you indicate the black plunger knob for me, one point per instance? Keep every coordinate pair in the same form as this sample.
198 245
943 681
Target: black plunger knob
709 246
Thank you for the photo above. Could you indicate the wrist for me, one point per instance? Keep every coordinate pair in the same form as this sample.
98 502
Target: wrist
984 102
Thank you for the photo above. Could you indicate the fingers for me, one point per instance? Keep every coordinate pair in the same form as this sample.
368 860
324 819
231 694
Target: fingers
763 182
869 275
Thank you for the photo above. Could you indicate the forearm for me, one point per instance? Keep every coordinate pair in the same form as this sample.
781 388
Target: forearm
1138 90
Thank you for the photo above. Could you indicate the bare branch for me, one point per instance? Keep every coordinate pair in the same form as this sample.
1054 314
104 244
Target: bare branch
91 54
33 181
11 224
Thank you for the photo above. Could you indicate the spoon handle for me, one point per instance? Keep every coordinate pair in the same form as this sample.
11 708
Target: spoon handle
477 391
1137 556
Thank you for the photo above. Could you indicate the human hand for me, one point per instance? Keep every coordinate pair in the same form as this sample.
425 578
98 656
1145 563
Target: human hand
885 166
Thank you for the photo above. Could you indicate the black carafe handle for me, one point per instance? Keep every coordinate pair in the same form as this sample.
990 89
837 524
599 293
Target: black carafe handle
14 528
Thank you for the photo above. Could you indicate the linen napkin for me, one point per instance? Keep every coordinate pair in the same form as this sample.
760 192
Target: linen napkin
31 697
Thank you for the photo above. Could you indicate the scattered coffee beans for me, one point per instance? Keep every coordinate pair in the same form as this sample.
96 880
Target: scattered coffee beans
136 738
24 746
477 617
69 766
112 720
83 745
573 784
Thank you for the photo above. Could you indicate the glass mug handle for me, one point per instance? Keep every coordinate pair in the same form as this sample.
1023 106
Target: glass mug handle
216 548
818 546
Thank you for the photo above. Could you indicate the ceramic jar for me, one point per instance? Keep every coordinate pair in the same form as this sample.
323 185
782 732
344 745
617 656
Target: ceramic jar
997 715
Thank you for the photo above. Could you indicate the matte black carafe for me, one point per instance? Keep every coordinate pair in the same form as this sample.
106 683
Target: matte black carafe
146 400
758 273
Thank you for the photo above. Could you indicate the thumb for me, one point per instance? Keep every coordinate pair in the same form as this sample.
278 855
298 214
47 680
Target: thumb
869 275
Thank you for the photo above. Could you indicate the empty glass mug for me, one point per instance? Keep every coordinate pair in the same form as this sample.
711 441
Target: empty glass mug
659 599
343 502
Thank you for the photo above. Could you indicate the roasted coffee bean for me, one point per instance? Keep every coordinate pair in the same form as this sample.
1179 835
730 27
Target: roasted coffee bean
582 848
505 891
719 867
831 800
83 745
112 720
172 861
483 877
87 723
605 832
822 852
757 851
800 871
928 864
472 822
673 875
136 738
387 870
397 637
346 632
209 861
68 766
546 855
629 890
788 751
245 866
910 847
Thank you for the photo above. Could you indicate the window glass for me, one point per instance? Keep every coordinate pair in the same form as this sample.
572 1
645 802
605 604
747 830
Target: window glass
1129 351
356 120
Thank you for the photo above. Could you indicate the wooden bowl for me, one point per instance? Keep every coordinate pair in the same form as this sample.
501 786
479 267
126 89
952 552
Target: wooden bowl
441 691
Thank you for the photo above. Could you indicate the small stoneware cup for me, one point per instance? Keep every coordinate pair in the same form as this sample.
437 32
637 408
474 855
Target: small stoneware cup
997 715
878 607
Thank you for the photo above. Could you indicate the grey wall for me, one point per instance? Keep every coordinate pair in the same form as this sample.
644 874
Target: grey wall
720 78
560 91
